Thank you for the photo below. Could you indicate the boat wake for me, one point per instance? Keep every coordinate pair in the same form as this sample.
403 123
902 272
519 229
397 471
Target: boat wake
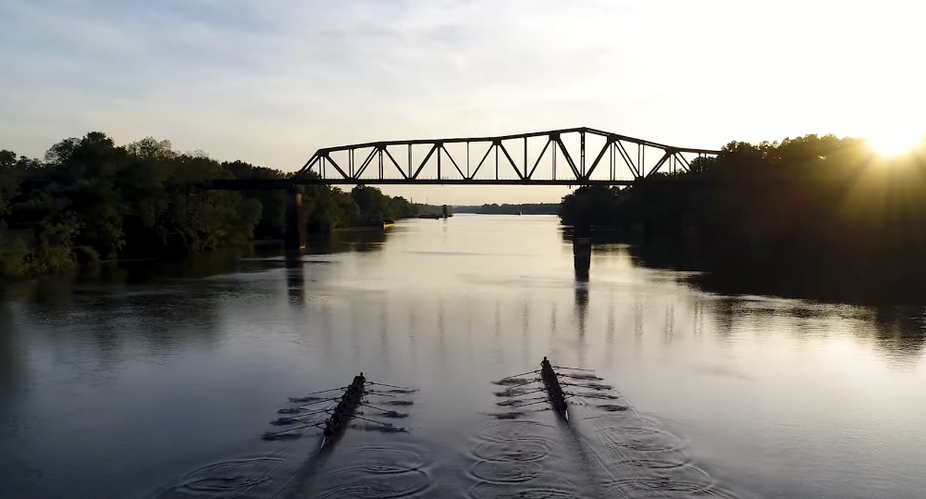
606 449
397 470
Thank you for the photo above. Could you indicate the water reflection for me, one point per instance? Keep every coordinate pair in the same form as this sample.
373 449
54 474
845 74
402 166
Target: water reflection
363 241
900 330
9 361
202 356
295 277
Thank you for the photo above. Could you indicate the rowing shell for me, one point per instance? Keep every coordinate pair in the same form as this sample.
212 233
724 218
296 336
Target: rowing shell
554 390
336 424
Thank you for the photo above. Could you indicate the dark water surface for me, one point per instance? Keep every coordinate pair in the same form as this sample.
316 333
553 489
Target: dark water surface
157 380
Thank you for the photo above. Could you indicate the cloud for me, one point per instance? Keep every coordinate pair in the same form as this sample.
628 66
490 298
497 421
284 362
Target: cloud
270 81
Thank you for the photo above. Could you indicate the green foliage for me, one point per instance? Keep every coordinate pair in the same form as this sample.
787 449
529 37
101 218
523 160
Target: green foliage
807 202
373 205
91 199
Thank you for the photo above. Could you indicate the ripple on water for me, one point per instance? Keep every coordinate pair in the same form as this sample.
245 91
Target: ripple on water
377 472
547 489
683 481
515 472
513 431
513 459
641 439
237 477
525 450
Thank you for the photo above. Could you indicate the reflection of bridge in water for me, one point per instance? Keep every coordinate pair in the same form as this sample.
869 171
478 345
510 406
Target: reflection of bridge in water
555 157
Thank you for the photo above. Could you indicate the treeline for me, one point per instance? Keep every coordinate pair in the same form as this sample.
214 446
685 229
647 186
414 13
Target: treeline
819 206
90 199
510 209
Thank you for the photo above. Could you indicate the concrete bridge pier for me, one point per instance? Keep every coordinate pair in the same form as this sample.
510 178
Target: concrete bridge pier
294 223
582 238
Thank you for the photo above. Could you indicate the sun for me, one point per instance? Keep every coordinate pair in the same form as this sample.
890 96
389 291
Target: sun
895 143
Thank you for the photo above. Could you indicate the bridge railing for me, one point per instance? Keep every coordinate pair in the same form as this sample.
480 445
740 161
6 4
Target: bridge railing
573 156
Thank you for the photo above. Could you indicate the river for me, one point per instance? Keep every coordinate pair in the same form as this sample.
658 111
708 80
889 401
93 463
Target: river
158 379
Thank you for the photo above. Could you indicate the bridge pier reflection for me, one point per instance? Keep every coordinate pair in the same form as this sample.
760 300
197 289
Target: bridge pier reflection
294 225
582 237
581 257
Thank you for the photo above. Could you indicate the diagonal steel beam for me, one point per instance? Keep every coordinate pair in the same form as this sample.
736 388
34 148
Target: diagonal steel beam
597 159
480 163
426 158
544 150
662 161
307 166
627 161
452 161
366 162
562 147
396 163
505 150
684 161
336 166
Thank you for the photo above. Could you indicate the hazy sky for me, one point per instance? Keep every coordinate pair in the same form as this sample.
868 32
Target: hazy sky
270 81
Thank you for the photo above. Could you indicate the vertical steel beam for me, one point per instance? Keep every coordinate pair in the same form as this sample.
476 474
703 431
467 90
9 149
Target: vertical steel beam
611 160
525 158
496 160
439 147
409 160
467 159
554 157
582 153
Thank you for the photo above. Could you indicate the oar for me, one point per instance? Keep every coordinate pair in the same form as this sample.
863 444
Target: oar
388 425
573 368
296 419
525 383
390 386
522 374
521 403
387 411
519 393
320 391
532 403
379 394
274 434
319 401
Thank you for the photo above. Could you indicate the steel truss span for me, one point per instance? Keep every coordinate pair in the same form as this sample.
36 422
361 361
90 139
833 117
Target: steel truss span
555 157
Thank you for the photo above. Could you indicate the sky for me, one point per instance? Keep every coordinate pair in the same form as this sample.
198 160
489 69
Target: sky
271 81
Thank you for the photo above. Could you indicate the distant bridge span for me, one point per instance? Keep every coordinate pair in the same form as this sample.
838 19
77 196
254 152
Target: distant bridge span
554 157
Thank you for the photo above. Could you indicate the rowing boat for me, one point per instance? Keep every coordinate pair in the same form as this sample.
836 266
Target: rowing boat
554 390
335 425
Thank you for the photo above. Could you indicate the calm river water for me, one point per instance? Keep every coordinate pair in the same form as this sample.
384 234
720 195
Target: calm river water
158 380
